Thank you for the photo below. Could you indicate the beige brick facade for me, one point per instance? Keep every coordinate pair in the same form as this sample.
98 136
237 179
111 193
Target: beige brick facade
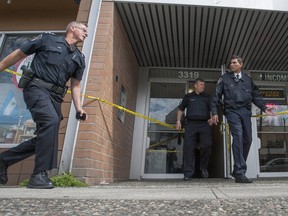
103 149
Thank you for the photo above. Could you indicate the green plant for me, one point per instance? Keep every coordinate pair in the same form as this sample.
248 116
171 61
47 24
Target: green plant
24 183
67 180
64 180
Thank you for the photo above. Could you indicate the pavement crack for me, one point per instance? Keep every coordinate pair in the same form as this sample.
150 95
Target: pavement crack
216 191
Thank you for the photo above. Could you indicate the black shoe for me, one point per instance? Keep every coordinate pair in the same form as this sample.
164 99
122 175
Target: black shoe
233 175
243 179
40 180
3 172
236 176
187 178
204 173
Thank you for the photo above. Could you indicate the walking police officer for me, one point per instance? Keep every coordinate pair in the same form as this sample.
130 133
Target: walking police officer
56 60
239 92
198 129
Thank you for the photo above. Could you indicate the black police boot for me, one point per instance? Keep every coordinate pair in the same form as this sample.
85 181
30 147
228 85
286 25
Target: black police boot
40 180
243 179
187 178
3 172
204 173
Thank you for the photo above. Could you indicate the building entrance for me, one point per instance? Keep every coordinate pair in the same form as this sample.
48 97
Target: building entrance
164 150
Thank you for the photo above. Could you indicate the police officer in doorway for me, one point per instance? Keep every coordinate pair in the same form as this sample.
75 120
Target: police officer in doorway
239 93
56 60
198 131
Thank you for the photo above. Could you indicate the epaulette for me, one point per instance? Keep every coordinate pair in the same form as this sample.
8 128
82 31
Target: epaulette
246 74
50 33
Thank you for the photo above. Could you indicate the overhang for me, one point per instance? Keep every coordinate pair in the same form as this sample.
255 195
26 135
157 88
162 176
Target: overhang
190 36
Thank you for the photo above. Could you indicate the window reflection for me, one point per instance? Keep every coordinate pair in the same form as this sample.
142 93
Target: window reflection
16 124
272 130
164 152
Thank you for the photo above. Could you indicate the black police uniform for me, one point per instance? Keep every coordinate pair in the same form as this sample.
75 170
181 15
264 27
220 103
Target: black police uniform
238 97
55 61
197 131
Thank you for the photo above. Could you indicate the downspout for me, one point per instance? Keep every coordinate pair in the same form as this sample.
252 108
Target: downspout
73 124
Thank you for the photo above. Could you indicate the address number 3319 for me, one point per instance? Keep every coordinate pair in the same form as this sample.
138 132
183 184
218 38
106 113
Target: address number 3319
188 75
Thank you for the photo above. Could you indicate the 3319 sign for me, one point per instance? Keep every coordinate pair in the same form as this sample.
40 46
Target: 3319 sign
188 74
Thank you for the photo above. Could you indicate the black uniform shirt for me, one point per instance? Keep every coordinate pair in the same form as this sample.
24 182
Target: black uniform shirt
54 61
198 106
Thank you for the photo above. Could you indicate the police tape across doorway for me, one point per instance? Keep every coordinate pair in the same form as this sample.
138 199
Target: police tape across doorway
113 105
135 113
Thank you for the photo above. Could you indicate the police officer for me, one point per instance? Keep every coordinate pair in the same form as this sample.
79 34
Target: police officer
198 129
239 92
56 60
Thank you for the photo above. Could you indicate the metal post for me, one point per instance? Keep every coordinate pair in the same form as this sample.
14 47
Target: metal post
73 124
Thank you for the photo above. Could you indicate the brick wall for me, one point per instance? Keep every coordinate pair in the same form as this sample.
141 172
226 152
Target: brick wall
104 144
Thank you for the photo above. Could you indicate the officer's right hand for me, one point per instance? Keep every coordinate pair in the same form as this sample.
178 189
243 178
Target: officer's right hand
81 115
178 125
215 119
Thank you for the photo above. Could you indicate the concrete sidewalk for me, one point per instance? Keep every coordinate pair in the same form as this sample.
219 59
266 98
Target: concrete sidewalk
167 197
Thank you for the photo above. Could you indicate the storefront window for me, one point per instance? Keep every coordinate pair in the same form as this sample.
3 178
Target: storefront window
272 130
16 124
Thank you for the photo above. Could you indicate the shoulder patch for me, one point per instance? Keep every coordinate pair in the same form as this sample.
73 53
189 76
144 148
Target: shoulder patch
220 80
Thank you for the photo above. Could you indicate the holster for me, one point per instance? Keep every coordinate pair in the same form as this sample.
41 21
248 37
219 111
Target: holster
27 76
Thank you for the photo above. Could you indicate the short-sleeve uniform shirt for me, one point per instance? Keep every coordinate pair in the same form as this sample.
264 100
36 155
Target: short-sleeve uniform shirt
55 61
198 106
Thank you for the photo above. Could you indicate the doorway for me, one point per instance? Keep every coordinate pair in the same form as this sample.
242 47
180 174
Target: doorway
164 149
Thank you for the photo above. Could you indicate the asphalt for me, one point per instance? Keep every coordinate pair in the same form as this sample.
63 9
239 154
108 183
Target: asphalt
152 197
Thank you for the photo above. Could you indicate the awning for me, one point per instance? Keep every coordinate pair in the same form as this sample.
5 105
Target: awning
188 36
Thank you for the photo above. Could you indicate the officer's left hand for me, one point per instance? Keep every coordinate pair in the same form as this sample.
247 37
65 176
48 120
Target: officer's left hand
178 125
210 122
269 111
215 119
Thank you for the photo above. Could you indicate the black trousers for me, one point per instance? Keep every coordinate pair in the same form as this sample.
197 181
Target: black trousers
46 113
197 134
239 121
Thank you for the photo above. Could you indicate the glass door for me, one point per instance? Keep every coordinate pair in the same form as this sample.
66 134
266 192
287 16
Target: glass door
164 150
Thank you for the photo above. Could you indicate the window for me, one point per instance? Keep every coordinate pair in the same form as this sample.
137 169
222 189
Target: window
16 124
272 130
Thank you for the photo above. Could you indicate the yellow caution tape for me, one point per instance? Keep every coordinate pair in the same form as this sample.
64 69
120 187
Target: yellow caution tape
134 113
13 72
277 113
162 150
164 141
113 105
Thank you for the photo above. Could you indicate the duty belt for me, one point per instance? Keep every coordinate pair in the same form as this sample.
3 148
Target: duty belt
197 120
57 89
